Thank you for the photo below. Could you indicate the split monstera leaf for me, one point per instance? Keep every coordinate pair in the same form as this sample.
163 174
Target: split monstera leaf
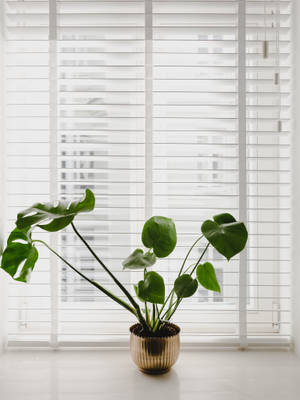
58 215
20 254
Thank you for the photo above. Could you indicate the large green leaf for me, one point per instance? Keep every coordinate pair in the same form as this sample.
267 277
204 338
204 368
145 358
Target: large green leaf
225 234
151 289
139 260
159 234
185 286
206 276
20 255
57 215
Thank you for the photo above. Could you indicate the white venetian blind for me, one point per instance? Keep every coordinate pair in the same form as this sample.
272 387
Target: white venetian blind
268 97
175 108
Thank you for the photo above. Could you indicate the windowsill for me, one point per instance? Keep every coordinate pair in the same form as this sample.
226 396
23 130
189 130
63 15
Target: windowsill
110 374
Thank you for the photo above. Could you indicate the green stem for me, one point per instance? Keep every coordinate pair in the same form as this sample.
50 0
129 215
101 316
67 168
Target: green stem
96 284
154 329
153 315
146 306
117 282
156 308
171 294
188 253
168 310
186 270
171 297
170 305
162 307
200 258
179 300
147 313
157 320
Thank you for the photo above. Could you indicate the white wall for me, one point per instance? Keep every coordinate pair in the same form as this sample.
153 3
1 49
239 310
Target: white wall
296 183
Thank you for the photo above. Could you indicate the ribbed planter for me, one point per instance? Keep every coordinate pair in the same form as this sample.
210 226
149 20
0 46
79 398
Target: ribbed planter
157 354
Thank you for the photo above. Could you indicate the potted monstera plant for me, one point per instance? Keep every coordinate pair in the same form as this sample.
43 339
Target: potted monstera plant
154 339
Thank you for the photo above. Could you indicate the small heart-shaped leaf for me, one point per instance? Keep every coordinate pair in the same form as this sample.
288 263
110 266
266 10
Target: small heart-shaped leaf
139 260
19 256
185 286
58 215
206 276
226 235
159 234
151 289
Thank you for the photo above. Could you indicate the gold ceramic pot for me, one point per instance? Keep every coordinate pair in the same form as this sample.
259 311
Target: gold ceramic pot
154 355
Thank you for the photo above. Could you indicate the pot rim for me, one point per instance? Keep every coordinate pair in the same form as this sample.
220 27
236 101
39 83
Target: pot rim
155 337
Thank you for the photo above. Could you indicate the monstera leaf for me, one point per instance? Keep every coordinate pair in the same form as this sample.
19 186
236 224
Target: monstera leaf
225 234
20 255
58 215
159 234
139 260
151 289
185 286
206 275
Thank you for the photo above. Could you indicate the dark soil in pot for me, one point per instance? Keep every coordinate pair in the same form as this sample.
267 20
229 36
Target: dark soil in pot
167 330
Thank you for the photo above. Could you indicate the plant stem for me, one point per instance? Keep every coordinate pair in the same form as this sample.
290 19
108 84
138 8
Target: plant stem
179 300
168 310
170 305
147 313
163 306
200 258
117 282
188 253
157 320
153 315
171 294
96 284
156 308
146 306
186 270
154 329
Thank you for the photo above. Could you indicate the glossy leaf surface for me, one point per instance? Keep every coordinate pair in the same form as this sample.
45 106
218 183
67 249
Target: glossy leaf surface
225 234
185 286
19 256
151 289
139 260
159 234
206 276
57 215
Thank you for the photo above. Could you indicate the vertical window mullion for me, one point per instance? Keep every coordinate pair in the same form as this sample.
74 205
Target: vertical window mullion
242 144
53 170
148 109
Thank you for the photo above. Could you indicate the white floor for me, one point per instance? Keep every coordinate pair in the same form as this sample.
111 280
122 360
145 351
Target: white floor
111 375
